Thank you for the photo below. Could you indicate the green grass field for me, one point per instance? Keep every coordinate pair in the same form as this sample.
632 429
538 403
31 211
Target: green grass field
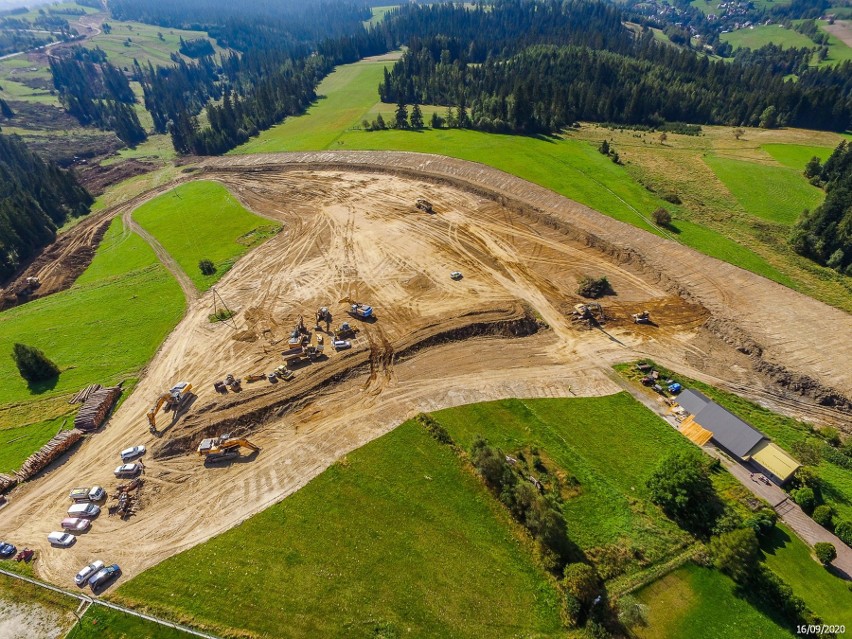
610 444
100 622
202 220
700 603
796 156
398 539
103 329
828 596
777 194
838 51
379 13
766 34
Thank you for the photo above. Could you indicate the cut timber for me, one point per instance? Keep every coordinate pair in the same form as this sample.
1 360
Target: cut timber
48 453
83 395
694 432
93 413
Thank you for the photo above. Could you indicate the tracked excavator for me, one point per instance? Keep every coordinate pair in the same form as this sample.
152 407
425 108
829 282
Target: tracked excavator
172 399
222 448
324 315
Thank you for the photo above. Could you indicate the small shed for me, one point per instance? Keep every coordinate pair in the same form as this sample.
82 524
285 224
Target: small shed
773 462
97 406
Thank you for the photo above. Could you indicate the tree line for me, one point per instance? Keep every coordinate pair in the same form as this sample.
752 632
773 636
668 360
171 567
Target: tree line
96 92
825 234
36 197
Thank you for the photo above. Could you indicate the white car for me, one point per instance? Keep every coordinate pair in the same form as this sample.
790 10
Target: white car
132 453
83 576
84 510
128 470
63 539
76 524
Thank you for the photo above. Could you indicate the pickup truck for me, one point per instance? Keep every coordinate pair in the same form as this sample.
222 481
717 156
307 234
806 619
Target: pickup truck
95 493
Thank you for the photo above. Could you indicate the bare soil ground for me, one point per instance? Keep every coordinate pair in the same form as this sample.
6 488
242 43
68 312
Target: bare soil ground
351 228
842 29
28 620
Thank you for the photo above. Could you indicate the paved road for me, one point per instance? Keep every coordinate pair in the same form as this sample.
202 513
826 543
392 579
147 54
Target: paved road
806 528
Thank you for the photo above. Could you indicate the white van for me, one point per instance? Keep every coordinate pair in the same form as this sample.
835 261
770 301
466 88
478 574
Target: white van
84 510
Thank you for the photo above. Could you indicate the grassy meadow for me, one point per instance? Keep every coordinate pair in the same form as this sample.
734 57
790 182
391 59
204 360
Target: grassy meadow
796 156
100 622
202 220
762 35
396 539
714 217
103 329
701 603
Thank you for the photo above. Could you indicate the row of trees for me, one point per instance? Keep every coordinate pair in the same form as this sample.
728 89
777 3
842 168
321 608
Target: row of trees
96 92
825 234
545 88
35 198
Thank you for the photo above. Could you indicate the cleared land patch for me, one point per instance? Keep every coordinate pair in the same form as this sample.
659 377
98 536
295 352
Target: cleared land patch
777 194
396 538
759 36
701 603
202 220
796 156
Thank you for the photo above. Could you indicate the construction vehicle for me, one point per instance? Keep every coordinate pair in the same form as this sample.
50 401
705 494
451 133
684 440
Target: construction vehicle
642 318
172 399
219 386
255 378
456 275
591 312
283 372
356 309
234 383
424 205
345 331
224 447
293 353
324 315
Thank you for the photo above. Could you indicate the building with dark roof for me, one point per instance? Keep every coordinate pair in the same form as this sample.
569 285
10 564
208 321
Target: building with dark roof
708 421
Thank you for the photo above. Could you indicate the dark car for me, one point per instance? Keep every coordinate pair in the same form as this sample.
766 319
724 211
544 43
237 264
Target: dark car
104 576
6 550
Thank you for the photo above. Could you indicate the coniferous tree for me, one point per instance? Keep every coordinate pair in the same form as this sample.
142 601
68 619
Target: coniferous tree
33 365
416 118
401 114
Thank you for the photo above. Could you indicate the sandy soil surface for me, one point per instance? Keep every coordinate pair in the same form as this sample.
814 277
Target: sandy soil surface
32 621
502 331
842 29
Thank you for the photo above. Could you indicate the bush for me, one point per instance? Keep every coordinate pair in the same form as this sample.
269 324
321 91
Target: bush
825 552
206 267
681 486
33 365
662 217
672 198
582 582
736 553
805 498
631 612
831 435
823 515
594 288
571 611
436 430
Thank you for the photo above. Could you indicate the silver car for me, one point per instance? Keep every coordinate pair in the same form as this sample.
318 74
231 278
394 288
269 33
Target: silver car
132 453
83 576
84 510
128 470
62 539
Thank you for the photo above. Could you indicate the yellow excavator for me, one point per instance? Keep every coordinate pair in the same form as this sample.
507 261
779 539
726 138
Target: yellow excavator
171 399
224 447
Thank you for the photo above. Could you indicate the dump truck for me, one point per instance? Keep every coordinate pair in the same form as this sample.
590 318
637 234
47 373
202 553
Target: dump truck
172 399
224 447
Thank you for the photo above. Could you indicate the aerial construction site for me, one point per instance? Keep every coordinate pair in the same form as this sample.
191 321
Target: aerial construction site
403 283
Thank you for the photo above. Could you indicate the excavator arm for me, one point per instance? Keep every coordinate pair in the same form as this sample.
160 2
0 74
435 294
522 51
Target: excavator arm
152 414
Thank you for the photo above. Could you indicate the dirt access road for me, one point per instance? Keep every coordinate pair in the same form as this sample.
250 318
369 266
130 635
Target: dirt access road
351 228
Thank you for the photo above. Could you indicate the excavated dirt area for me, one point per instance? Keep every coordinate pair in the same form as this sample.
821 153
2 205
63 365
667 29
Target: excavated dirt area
504 330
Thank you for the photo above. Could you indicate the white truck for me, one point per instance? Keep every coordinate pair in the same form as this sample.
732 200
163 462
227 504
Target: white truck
95 493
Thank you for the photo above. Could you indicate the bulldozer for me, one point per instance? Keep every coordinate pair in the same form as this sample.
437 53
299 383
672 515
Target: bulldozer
222 448
345 331
172 399
642 318
324 315
591 312
356 309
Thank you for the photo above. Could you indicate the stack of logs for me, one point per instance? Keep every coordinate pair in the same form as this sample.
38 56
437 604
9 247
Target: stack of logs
47 453
96 408
83 395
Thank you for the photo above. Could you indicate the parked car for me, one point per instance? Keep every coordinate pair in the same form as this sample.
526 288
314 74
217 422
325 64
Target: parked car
76 524
84 510
103 576
83 576
63 539
95 493
6 550
128 470
132 453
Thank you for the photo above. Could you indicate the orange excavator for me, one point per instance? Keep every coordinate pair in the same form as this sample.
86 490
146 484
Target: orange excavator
172 399
224 447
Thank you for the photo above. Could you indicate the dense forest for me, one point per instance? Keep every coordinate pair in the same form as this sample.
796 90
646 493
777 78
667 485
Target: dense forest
825 234
96 92
36 197
593 68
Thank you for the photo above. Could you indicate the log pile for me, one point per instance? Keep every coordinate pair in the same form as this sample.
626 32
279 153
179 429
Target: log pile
7 481
83 395
96 408
48 453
